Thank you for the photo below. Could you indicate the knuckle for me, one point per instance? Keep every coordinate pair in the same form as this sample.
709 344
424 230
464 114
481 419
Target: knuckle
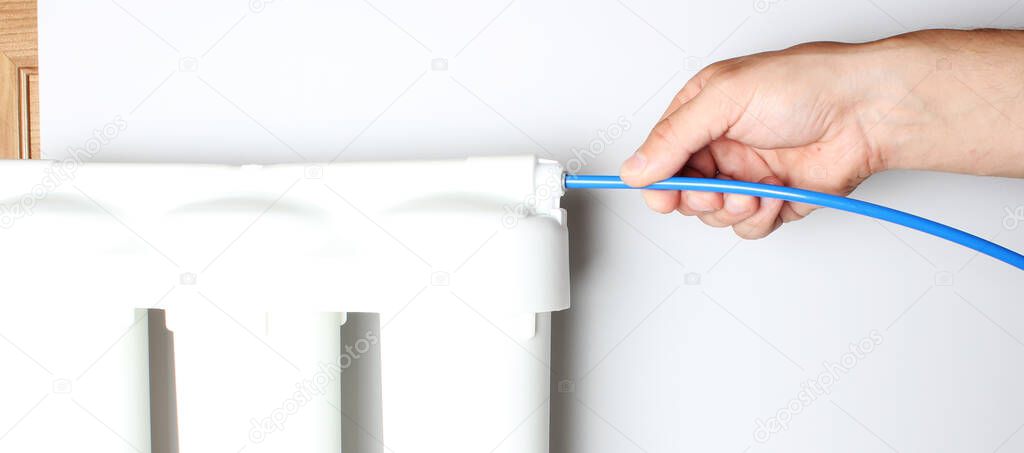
749 233
686 212
712 68
728 79
684 95
663 132
712 220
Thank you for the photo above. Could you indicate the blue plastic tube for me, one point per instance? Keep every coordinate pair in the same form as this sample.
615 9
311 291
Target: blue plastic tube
810 197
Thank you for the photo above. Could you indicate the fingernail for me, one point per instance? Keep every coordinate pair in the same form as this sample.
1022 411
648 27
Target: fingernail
734 205
635 164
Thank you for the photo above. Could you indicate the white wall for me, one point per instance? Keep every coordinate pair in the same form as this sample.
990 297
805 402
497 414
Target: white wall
656 361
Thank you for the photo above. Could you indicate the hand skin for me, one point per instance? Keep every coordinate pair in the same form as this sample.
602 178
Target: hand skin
826 116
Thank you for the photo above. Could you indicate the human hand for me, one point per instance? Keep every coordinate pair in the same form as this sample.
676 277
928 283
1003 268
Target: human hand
823 117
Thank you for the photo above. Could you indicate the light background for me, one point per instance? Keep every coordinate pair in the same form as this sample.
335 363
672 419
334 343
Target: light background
649 360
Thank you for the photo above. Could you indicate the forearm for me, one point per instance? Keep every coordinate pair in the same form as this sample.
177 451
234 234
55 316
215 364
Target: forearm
948 101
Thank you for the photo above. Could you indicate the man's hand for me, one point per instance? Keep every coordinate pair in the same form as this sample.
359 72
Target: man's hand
825 116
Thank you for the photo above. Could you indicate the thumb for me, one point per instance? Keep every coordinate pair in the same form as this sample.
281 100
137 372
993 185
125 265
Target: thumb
679 135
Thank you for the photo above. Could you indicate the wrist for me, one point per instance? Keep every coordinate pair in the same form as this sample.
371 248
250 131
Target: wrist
947 101
891 102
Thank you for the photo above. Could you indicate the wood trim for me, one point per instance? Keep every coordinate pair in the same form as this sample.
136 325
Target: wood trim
10 127
28 117
19 80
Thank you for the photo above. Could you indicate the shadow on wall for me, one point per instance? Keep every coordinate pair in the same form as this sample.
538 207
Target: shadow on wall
163 409
565 410
362 416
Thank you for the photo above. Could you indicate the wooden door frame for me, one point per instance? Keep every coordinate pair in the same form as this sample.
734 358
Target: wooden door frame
19 80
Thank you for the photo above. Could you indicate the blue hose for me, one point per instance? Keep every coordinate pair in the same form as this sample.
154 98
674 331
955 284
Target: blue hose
810 197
